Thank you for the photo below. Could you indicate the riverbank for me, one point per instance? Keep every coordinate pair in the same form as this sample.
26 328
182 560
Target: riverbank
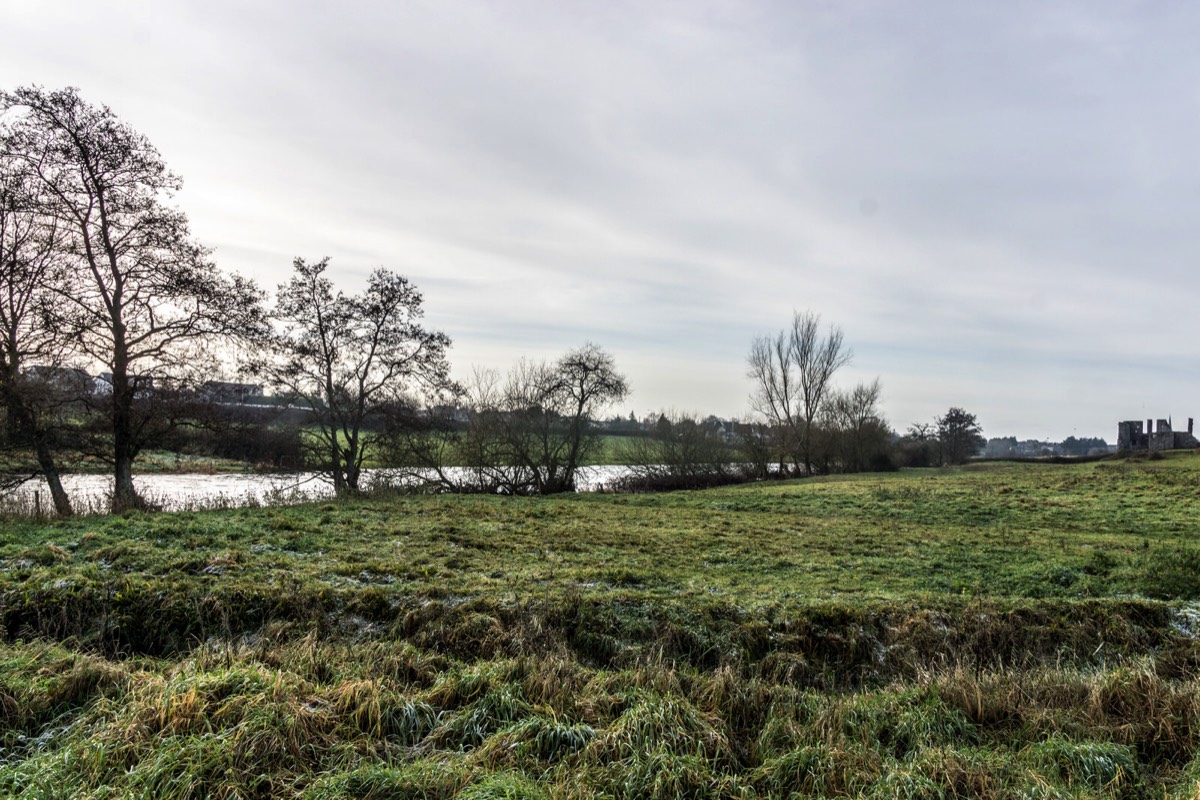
200 491
159 462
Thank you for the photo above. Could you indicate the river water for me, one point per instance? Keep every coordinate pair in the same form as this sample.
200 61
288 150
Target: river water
186 491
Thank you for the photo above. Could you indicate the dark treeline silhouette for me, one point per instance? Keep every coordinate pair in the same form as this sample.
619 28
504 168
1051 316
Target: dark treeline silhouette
1007 447
953 438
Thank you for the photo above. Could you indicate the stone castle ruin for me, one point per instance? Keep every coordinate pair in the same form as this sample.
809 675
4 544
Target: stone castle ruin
1130 436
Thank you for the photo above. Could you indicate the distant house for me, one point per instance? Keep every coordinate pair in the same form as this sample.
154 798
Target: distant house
65 382
143 385
230 392
1131 436
455 414
1000 447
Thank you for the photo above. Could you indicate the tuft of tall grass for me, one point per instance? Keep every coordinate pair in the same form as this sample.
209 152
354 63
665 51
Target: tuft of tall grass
1103 766
40 682
504 786
817 770
897 723
904 782
418 780
664 774
653 722
535 740
471 726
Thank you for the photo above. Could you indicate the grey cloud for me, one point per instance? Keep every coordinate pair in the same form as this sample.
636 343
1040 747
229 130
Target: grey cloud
672 178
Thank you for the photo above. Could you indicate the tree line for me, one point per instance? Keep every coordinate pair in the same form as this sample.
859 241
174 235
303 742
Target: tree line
813 426
99 268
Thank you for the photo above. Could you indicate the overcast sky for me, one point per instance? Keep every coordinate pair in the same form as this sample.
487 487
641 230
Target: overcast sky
999 203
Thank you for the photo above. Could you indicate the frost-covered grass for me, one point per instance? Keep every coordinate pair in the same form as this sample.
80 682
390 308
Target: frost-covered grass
999 631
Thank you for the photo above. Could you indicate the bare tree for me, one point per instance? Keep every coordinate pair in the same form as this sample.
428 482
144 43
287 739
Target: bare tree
776 393
918 447
145 299
455 441
550 410
859 433
351 359
683 452
585 381
480 448
526 434
29 271
792 373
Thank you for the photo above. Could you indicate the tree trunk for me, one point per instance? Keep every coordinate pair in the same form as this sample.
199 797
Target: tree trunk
62 503
335 466
353 458
24 429
125 497
12 428
353 471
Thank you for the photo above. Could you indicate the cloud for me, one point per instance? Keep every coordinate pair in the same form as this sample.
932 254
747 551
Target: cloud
996 202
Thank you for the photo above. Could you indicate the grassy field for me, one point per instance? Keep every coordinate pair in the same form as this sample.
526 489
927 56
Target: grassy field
995 631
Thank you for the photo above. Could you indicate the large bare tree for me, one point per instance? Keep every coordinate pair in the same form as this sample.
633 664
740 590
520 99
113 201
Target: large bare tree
145 300
33 391
776 394
351 360
792 373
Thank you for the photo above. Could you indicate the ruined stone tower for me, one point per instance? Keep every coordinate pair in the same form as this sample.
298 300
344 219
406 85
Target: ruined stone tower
1131 436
